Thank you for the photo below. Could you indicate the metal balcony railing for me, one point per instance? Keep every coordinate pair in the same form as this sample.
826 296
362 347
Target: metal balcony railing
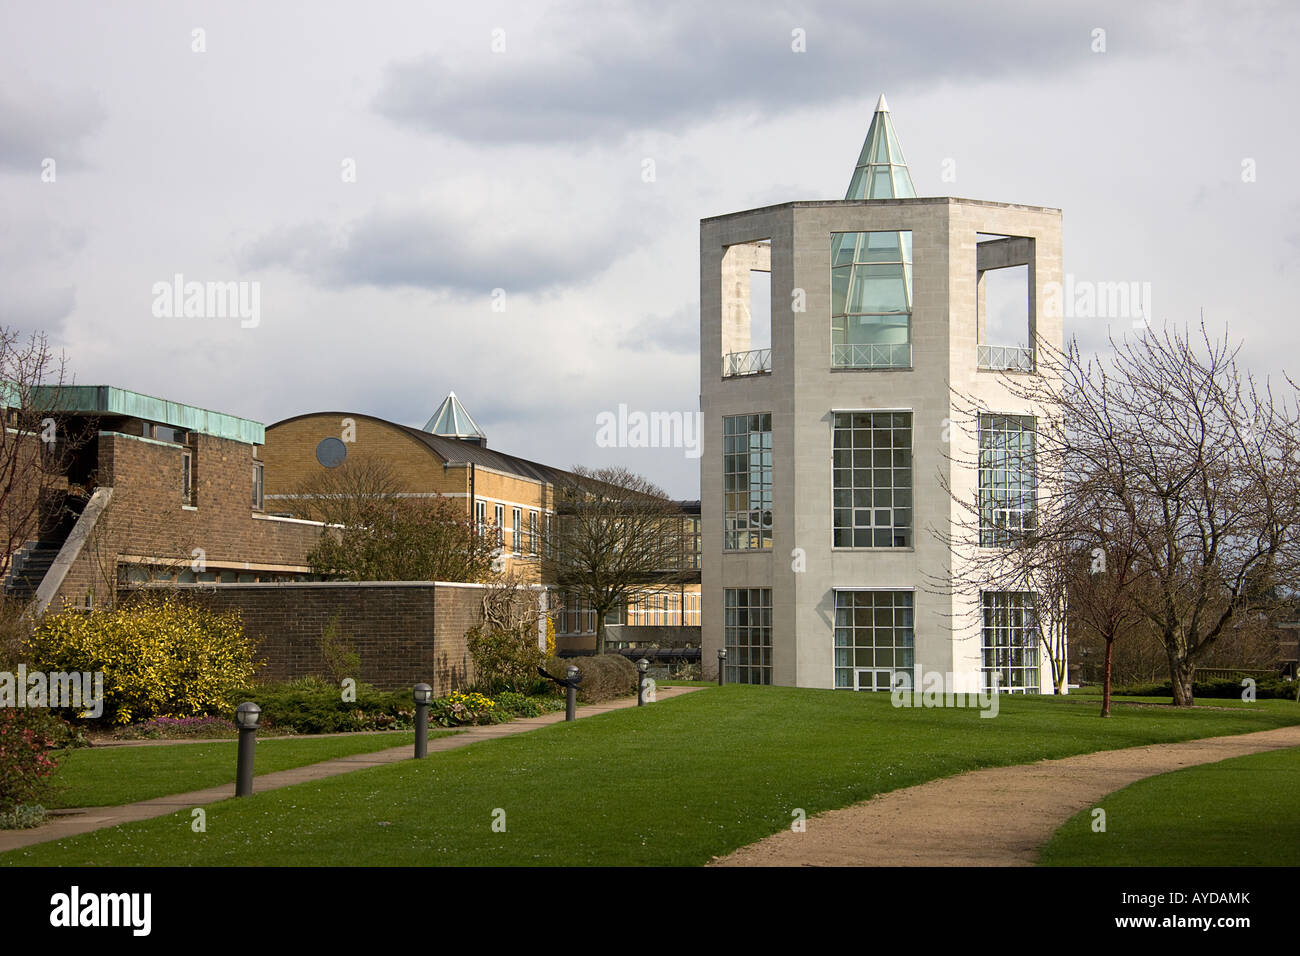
754 362
1009 358
872 356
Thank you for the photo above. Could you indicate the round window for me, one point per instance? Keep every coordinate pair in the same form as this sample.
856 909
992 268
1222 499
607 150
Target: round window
331 452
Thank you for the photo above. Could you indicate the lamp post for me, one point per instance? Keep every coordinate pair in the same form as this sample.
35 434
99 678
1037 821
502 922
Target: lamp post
247 716
642 665
722 666
571 693
423 694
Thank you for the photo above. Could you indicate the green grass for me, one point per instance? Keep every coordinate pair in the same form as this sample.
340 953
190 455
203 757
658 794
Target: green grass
110 776
1244 811
670 784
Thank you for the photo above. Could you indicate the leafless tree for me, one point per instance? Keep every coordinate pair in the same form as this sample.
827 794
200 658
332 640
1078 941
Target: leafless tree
615 534
35 441
1180 471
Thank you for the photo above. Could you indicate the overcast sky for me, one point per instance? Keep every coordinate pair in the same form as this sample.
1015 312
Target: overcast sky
1172 154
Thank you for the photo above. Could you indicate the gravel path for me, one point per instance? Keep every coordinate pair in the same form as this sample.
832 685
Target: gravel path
996 817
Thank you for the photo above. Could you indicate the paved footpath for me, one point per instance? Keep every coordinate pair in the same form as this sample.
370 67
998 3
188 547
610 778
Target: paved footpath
1001 816
69 823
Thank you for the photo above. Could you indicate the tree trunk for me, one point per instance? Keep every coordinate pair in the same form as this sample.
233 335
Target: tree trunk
1105 680
600 632
1180 675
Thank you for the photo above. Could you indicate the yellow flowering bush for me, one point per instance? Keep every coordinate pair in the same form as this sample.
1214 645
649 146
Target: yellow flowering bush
160 658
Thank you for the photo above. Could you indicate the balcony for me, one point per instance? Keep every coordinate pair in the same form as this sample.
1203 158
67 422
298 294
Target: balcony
1005 358
756 362
872 356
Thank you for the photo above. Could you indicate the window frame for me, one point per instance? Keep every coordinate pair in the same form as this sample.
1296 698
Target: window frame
894 488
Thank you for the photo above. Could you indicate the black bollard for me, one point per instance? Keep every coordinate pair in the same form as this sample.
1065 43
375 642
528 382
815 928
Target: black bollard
571 694
642 666
722 666
423 694
247 717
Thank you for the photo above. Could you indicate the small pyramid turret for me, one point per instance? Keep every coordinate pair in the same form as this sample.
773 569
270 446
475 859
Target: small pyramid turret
881 172
452 421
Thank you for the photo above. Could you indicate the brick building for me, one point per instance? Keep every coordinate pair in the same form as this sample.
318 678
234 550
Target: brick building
508 496
155 490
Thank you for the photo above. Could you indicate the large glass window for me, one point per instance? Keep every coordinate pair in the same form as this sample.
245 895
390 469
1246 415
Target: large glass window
1007 482
872 475
747 635
873 639
871 299
747 481
1010 641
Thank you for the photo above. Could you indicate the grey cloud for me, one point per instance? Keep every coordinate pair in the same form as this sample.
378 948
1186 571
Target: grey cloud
676 64
419 248
677 333
35 128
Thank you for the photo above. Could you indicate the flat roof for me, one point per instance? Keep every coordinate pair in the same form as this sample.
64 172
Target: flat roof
869 203
110 400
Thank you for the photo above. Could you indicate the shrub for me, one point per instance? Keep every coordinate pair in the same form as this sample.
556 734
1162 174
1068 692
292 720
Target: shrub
604 676
311 705
160 657
341 657
23 817
1218 688
458 709
505 659
26 738
519 705
172 728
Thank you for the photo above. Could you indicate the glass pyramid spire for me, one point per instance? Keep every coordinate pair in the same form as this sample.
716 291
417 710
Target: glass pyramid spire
881 172
452 421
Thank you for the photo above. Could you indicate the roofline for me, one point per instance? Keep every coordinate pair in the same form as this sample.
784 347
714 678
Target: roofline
870 203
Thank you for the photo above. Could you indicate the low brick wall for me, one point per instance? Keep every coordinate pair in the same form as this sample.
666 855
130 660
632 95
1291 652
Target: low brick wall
405 632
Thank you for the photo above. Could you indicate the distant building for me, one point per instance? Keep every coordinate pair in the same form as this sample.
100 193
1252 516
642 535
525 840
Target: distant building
826 435
509 497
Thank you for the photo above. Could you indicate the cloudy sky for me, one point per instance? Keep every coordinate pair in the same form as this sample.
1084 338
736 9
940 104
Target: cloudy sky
380 169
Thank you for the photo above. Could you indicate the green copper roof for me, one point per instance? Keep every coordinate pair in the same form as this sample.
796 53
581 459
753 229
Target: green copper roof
452 421
881 172
107 400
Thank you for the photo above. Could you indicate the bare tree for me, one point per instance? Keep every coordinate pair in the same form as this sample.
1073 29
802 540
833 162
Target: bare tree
35 442
1182 472
615 534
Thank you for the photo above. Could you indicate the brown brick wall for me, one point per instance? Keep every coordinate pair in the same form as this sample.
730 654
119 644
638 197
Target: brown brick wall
404 633
148 518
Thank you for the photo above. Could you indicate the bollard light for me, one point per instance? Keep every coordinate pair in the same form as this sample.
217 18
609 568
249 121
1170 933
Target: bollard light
642 665
247 717
722 665
423 695
571 693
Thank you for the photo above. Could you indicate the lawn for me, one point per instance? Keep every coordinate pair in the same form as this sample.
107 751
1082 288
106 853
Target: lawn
108 776
673 783
1244 811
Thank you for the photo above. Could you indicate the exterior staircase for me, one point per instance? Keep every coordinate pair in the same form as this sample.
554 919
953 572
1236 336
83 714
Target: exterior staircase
30 565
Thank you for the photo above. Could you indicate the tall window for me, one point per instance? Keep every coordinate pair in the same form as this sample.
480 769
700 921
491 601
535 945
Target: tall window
258 486
187 477
1010 641
747 635
747 482
873 639
480 516
500 516
871 299
516 531
532 532
872 475
1007 482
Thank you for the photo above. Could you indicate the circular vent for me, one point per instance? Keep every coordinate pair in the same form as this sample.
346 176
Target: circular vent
331 452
